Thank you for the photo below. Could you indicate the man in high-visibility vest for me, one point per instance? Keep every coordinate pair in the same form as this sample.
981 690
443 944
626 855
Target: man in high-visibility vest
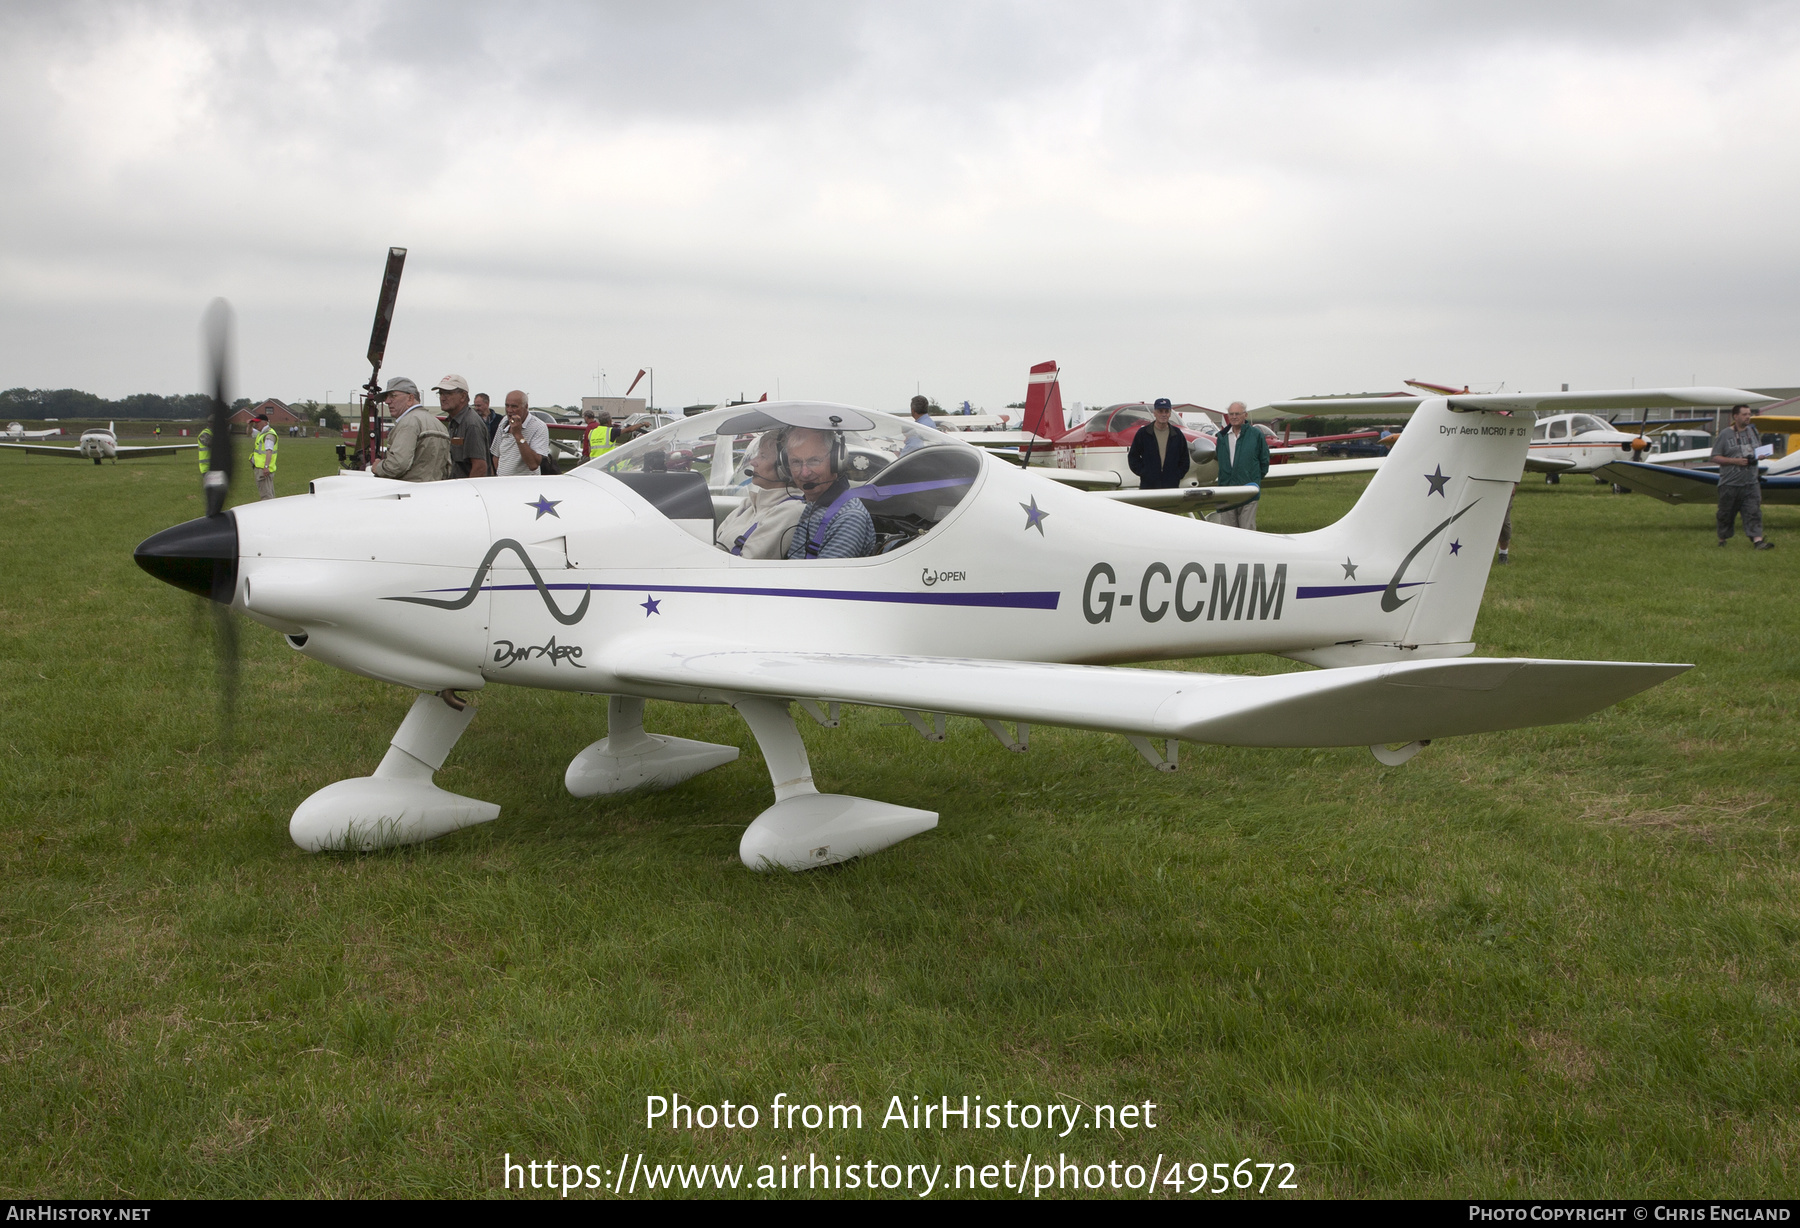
205 448
264 444
599 436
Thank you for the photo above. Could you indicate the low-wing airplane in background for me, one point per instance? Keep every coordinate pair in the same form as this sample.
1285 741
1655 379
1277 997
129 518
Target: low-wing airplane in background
1697 483
1563 440
16 430
101 443
605 581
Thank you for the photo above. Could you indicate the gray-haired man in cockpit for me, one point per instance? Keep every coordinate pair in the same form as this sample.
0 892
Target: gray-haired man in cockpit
764 521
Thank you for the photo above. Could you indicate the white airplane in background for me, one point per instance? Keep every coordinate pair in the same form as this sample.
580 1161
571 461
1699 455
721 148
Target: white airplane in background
102 443
15 430
1561 442
1587 443
606 581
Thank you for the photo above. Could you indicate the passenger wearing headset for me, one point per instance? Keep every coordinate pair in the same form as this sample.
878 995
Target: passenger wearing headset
834 524
763 522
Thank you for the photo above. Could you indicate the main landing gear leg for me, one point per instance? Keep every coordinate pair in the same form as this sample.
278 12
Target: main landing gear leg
398 804
806 828
627 758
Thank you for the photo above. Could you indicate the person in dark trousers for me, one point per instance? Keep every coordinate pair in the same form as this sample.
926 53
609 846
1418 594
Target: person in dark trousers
1159 451
1243 454
1506 528
1740 480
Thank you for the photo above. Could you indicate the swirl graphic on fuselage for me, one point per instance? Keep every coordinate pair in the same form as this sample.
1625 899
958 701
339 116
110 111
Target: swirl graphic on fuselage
487 565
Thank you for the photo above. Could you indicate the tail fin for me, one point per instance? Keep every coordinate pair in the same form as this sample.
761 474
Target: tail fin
1043 404
1431 517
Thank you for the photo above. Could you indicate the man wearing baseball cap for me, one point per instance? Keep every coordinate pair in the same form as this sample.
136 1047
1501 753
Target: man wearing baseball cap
469 457
418 447
1159 450
263 446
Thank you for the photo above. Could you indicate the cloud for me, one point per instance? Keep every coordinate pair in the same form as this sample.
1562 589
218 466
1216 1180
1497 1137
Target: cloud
1214 200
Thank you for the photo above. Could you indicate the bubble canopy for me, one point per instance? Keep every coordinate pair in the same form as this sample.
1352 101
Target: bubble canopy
909 478
716 443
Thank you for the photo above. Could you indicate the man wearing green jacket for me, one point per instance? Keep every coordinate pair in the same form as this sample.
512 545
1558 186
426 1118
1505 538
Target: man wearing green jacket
1243 455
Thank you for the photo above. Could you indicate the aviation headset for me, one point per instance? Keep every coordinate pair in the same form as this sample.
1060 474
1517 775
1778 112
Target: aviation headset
839 449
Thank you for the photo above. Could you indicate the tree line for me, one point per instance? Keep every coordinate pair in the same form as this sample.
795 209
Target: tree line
74 403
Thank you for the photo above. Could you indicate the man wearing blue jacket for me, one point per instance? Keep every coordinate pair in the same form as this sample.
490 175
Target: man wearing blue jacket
1243 460
1159 451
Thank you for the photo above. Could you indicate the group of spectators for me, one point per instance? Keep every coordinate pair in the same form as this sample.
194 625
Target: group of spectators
471 440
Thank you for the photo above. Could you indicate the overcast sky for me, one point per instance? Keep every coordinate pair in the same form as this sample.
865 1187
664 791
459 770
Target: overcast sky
845 202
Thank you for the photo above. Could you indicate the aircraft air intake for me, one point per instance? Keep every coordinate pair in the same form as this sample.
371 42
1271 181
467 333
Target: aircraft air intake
200 556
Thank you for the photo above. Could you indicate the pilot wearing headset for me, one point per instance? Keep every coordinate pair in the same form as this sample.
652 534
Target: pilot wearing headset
833 524
764 521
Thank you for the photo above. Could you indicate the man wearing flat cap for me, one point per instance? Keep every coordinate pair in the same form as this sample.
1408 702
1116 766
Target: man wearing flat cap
469 455
418 445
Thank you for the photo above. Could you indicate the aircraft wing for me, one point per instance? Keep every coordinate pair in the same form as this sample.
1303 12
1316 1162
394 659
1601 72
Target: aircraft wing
1287 475
44 449
1683 486
1516 402
999 439
1084 479
38 449
1547 464
159 450
1181 498
1357 705
1681 458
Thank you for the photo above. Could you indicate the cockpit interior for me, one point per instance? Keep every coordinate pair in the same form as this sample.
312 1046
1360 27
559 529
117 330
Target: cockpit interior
695 471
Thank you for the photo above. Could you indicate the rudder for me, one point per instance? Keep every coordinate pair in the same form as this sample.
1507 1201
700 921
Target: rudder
1435 508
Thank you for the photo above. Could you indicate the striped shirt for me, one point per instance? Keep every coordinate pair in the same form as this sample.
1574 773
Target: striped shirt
834 526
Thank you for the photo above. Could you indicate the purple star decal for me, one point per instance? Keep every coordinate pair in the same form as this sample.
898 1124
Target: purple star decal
1438 481
651 605
545 506
1455 547
1034 515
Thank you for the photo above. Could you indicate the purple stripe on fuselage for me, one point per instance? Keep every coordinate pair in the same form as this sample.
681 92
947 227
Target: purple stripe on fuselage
1007 601
1337 590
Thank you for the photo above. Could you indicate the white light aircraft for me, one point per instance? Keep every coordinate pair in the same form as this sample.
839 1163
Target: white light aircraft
16 430
1562 441
605 581
101 443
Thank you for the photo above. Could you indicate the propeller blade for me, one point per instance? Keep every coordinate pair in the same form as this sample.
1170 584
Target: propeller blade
216 331
225 643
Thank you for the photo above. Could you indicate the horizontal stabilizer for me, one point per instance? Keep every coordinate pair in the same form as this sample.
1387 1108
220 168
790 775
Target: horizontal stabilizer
1355 706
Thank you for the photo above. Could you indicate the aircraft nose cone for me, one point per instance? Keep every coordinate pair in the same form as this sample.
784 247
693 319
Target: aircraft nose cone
200 556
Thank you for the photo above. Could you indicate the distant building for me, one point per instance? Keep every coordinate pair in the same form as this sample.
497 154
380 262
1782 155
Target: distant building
278 414
620 408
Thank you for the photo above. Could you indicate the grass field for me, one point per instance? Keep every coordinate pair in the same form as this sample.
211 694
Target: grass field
1557 962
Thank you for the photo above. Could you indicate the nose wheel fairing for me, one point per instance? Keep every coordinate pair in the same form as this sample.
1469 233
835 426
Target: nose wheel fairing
399 804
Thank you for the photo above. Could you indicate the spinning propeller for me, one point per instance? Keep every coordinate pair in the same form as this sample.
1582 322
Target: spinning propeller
201 555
